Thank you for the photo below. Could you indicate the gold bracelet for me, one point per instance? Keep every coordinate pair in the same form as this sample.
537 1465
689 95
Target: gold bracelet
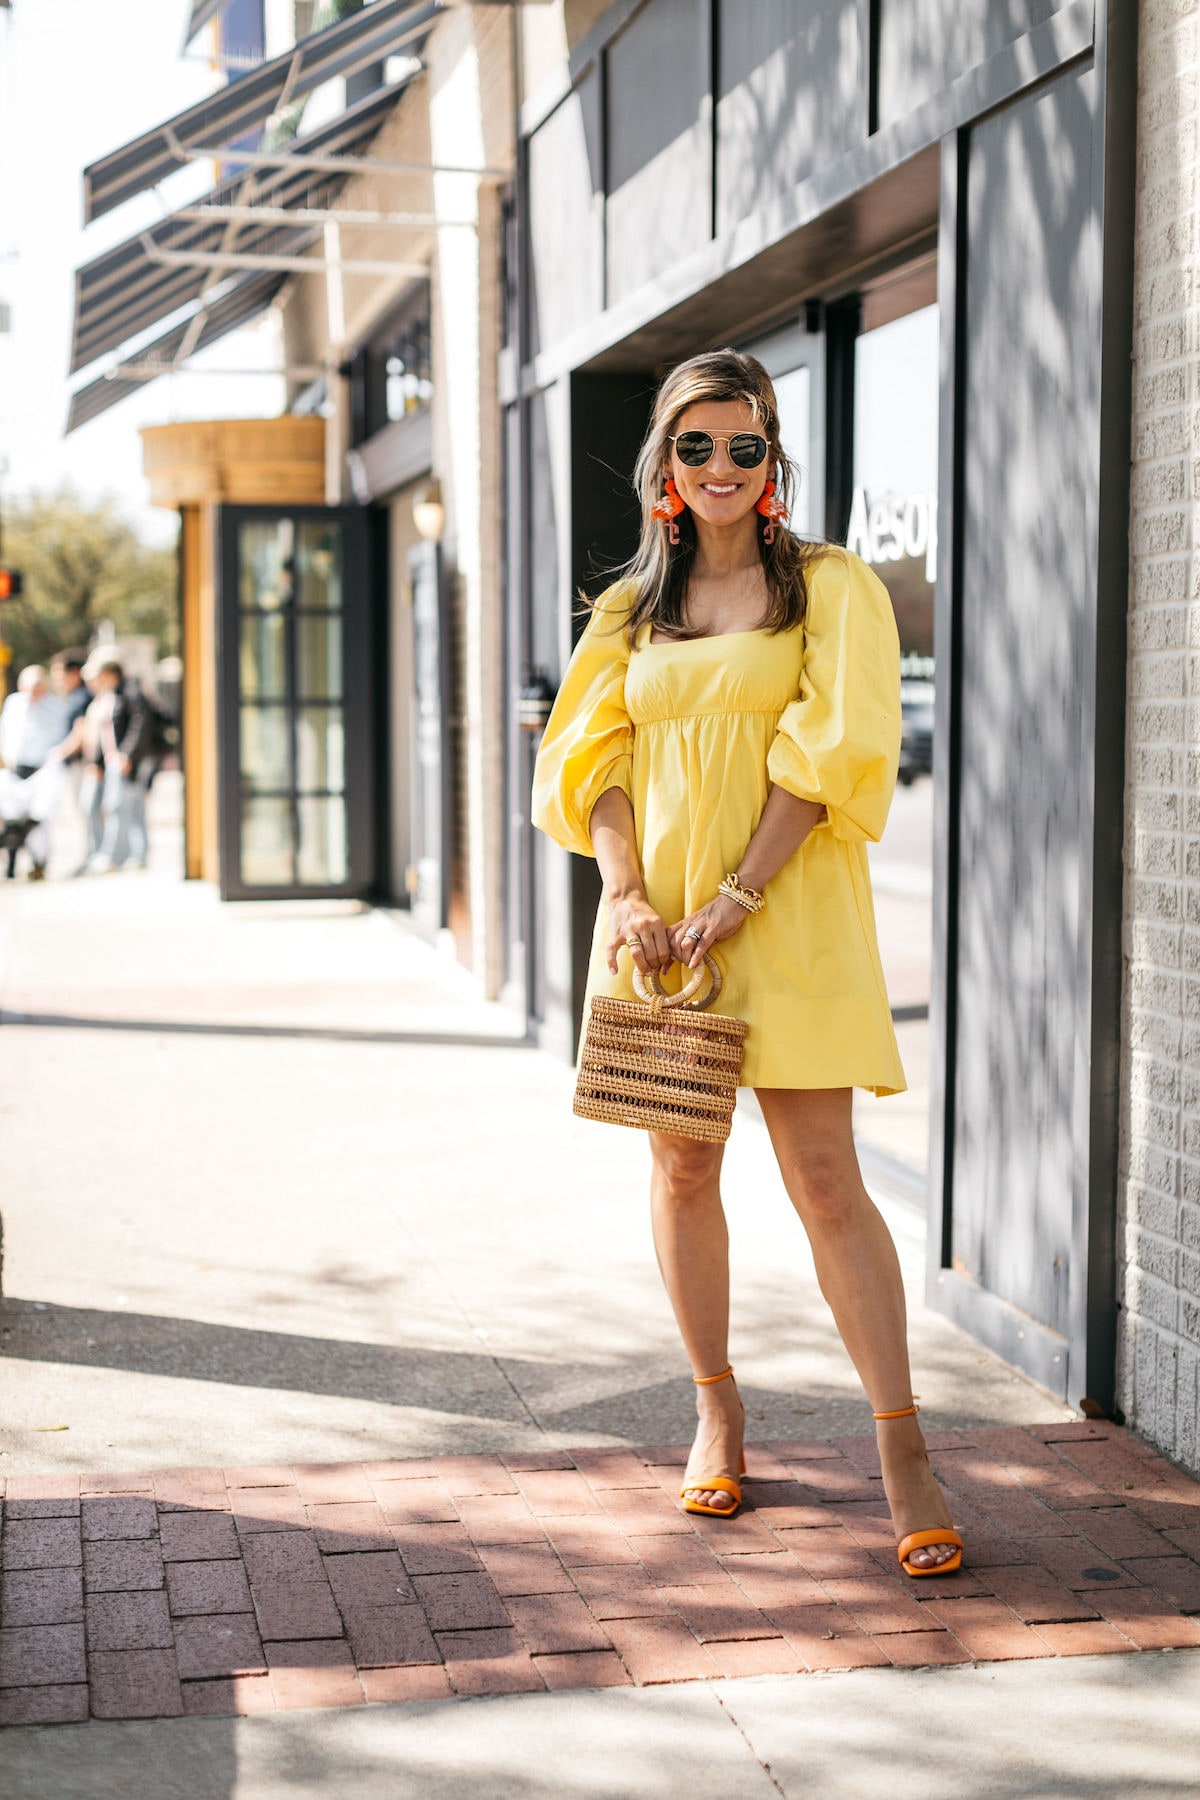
746 897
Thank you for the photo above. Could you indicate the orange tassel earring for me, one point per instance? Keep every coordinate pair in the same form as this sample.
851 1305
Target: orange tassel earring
772 510
669 508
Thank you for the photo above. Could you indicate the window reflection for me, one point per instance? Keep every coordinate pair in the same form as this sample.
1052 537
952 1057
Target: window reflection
265 758
321 851
320 749
265 564
319 657
793 394
893 527
266 843
408 368
319 566
263 665
893 514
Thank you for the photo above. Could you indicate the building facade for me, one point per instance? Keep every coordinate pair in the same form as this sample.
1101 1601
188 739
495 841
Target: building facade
911 198
944 227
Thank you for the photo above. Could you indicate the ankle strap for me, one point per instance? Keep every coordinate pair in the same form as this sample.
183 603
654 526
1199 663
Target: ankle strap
904 1412
707 1380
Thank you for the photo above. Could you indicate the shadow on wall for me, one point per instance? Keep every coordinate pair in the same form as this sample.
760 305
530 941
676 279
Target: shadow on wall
1031 399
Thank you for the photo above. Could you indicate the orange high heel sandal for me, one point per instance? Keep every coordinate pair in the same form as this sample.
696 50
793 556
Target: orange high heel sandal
714 1484
920 1540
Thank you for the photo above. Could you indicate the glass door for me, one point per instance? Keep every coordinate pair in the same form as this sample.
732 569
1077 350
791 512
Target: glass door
294 740
893 527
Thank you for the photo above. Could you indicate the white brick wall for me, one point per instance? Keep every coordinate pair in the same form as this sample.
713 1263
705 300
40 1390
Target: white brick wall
1159 1242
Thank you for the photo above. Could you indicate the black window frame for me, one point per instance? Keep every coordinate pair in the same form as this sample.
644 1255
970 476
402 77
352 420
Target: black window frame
356 704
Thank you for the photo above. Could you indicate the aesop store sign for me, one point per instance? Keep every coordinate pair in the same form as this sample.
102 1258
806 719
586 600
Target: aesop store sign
894 527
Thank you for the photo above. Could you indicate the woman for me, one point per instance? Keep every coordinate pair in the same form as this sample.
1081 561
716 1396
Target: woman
733 709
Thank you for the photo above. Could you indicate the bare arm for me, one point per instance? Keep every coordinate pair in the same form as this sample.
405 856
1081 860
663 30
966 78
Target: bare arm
70 745
782 828
614 843
784 824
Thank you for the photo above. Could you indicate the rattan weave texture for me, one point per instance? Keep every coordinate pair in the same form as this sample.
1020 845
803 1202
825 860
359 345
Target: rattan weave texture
658 1068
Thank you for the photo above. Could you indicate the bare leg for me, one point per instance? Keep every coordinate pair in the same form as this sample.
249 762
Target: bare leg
692 1243
859 1275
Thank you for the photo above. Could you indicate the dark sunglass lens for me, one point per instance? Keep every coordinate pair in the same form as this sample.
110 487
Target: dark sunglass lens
747 450
694 448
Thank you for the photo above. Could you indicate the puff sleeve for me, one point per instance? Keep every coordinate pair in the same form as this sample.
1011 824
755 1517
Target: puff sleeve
587 746
839 742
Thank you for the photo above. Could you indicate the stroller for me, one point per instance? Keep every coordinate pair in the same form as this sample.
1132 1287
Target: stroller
24 806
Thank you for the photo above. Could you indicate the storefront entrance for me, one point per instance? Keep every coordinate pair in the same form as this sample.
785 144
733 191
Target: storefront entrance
858 393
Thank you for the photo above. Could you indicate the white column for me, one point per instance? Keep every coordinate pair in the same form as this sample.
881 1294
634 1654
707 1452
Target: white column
468 454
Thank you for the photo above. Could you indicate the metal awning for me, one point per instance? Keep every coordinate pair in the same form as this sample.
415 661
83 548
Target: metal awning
213 320
246 104
127 290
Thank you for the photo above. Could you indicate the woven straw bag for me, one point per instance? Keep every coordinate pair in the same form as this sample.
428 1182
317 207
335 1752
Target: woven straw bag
662 1062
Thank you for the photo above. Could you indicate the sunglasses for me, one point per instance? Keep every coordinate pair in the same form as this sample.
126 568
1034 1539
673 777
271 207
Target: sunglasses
695 448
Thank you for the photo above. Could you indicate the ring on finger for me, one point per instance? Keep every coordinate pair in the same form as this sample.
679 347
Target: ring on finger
693 933
633 943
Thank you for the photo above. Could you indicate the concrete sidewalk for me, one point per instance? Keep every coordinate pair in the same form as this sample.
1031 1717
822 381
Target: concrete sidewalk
1105 1728
279 1189
289 1193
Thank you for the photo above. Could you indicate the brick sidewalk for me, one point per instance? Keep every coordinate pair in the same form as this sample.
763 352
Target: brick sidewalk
208 1591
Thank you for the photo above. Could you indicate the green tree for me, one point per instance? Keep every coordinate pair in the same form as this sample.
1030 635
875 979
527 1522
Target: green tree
83 561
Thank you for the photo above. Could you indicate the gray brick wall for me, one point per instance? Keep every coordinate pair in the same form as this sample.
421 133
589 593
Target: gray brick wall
1159 1241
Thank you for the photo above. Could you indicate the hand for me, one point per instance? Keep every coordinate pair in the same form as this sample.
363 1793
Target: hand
719 919
636 918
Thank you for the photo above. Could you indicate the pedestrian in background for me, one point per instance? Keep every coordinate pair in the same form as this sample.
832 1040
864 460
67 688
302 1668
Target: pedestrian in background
730 722
120 729
66 671
33 723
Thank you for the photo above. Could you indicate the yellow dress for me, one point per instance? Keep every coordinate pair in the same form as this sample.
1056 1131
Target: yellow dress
695 733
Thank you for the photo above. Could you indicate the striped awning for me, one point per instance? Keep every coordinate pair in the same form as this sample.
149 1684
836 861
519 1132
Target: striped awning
214 320
245 105
126 291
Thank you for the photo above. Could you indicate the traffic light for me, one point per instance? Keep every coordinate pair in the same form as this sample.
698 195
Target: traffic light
12 584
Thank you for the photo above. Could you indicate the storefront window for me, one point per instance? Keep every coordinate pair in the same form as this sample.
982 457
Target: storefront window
408 369
893 527
793 394
893 514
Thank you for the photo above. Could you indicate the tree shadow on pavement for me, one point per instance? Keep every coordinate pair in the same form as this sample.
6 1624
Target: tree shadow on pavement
192 1350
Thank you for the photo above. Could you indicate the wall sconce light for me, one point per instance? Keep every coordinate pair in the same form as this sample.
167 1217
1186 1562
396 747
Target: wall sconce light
429 514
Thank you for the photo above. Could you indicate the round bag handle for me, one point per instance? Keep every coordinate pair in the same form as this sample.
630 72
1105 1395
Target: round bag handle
649 987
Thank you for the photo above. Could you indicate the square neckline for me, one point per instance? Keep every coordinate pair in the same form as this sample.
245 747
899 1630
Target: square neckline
707 637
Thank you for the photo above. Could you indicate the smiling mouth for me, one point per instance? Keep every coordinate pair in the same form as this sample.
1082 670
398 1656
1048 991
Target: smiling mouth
720 488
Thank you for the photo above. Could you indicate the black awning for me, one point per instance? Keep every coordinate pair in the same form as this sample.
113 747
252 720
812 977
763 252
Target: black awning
247 103
126 291
213 320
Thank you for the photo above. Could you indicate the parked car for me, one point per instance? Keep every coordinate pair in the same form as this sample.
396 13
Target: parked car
916 730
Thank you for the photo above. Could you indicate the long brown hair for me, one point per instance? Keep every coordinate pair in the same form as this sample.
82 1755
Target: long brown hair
659 570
